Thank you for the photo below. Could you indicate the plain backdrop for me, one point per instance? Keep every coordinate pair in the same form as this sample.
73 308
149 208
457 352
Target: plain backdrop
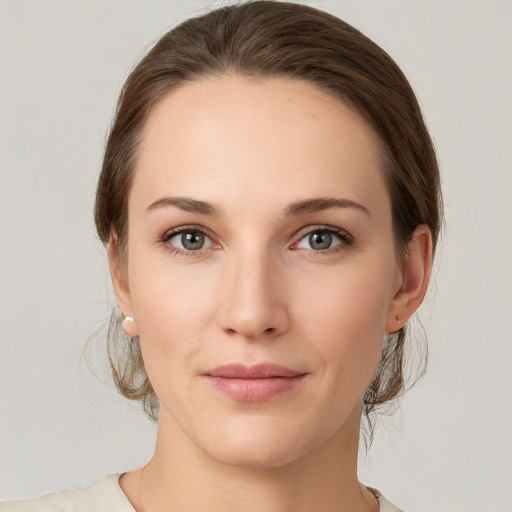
62 64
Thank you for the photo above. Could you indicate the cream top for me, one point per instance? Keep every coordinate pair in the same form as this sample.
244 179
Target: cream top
106 495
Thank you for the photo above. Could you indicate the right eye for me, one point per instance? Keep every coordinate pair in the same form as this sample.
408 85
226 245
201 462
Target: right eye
187 240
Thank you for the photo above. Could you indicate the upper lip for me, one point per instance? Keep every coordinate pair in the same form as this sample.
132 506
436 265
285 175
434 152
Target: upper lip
258 371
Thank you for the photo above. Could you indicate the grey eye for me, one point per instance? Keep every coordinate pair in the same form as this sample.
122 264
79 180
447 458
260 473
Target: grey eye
190 240
320 240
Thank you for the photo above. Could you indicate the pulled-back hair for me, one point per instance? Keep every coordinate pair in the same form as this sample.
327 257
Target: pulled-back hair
276 39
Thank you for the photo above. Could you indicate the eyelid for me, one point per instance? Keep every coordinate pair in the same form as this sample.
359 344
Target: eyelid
188 227
322 227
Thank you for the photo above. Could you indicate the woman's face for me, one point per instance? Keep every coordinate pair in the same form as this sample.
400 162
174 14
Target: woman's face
261 269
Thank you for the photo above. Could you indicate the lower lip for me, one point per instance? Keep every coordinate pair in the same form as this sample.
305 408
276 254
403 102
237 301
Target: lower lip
254 390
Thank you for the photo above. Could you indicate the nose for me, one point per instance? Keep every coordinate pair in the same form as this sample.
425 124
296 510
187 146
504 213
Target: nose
253 299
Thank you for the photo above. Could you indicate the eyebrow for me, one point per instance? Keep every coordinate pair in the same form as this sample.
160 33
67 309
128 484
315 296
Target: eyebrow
321 203
185 203
293 210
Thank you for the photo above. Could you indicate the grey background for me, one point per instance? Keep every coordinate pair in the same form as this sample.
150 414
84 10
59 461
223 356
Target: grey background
61 67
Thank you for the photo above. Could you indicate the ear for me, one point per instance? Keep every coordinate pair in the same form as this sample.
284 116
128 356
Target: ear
414 282
119 276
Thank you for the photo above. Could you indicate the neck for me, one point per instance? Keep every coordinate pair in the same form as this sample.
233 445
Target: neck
180 477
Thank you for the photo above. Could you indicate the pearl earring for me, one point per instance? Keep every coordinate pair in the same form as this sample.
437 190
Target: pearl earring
130 327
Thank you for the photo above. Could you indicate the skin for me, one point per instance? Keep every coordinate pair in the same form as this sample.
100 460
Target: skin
258 291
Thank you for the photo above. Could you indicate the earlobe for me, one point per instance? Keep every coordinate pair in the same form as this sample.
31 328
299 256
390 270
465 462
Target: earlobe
415 279
121 287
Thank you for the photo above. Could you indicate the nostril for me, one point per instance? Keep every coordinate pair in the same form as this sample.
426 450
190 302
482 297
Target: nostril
233 332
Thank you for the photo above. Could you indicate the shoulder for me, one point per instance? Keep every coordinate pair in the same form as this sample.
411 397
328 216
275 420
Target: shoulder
105 495
384 504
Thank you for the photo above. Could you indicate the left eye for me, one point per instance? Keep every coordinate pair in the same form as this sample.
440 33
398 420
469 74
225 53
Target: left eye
190 240
320 240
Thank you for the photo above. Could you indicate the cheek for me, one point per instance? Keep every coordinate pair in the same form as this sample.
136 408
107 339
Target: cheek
349 299
172 308
345 312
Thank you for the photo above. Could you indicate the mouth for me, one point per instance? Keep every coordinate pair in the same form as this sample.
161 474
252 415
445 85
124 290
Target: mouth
256 383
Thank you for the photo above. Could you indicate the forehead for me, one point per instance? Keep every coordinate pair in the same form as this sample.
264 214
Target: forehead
238 138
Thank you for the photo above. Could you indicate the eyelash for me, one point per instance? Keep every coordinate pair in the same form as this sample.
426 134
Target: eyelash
345 238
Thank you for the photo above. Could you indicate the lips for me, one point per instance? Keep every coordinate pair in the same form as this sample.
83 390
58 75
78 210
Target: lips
253 383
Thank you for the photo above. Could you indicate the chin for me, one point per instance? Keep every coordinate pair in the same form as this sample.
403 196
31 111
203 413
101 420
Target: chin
254 455
257 444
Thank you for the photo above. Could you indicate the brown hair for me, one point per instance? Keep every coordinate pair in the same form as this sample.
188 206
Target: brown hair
276 39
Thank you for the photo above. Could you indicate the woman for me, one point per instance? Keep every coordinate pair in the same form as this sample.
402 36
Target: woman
270 203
